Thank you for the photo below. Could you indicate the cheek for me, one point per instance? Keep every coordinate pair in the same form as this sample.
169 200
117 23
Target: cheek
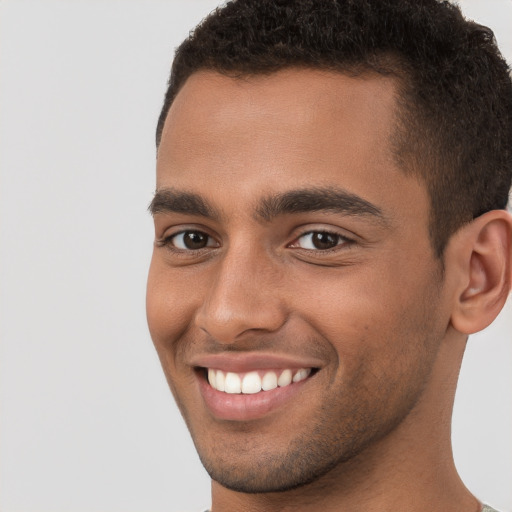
169 309
169 304
368 314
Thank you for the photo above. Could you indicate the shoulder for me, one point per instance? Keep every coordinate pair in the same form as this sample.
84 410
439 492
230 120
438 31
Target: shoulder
486 508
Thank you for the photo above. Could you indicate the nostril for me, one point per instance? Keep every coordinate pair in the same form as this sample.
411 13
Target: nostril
233 308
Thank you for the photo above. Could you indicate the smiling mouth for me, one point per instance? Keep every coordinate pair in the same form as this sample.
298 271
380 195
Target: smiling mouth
254 382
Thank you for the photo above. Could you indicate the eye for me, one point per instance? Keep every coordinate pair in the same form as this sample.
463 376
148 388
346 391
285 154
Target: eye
319 241
191 240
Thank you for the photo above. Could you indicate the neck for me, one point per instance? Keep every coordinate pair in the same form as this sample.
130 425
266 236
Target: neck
411 468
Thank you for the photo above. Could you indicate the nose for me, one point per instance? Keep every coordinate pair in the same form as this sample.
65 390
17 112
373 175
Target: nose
243 296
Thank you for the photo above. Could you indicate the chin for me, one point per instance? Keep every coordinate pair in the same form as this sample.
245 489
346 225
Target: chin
246 460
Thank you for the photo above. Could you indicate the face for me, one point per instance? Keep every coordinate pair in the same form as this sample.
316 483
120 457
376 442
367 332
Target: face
293 296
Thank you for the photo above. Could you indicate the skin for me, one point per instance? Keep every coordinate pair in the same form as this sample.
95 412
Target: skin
370 430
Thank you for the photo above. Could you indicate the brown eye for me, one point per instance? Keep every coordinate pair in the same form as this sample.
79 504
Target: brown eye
324 240
319 240
192 240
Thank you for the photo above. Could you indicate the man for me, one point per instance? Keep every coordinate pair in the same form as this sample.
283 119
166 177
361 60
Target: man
330 223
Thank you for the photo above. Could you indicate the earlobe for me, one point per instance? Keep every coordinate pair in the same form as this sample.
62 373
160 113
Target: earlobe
482 257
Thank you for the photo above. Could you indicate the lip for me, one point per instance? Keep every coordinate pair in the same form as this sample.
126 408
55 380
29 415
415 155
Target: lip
248 362
247 407
241 407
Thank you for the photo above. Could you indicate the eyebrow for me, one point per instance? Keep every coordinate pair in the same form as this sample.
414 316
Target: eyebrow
167 200
330 200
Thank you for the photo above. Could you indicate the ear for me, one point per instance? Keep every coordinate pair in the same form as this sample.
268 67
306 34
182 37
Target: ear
481 261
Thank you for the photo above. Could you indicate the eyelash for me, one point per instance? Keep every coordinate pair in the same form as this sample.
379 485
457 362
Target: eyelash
341 241
168 241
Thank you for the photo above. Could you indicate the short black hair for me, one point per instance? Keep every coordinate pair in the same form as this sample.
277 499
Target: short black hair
454 123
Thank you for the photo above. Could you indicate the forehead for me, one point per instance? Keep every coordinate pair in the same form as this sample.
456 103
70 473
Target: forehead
290 92
290 103
295 128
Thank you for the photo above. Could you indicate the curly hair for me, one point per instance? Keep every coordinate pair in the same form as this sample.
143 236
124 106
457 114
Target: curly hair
454 122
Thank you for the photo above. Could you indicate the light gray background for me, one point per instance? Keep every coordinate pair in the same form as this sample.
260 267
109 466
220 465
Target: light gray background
87 421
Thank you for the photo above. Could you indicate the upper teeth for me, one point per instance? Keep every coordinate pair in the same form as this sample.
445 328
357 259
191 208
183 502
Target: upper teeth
253 382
